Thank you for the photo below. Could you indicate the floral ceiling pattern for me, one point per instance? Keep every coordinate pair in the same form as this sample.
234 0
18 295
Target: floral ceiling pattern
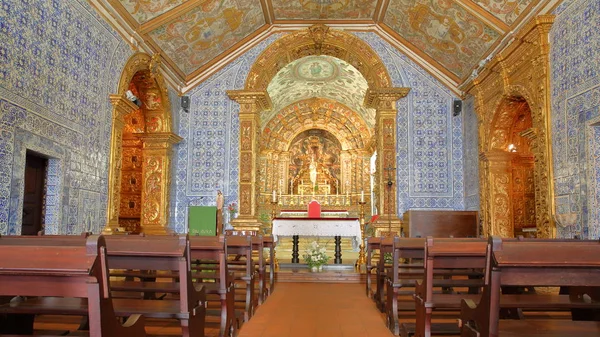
443 30
318 76
333 9
452 36
199 35
143 11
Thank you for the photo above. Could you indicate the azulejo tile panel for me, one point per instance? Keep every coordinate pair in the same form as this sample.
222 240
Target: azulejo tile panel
471 154
59 61
207 159
575 85
430 141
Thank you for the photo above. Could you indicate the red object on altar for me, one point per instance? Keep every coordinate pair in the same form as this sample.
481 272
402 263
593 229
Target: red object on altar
314 209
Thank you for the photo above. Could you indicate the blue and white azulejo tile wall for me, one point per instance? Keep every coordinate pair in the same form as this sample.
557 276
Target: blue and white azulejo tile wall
575 85
59 61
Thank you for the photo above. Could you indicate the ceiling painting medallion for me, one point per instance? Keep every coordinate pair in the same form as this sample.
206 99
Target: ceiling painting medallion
316 69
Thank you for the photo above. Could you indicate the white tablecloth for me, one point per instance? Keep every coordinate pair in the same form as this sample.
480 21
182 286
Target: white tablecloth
318 227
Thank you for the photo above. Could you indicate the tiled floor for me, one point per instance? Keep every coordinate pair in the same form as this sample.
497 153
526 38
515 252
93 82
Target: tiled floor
294 309
317 309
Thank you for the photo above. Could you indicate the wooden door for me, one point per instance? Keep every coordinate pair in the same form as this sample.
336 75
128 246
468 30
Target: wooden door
33 196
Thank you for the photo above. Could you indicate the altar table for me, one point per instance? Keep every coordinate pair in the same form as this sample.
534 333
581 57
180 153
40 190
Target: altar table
336 227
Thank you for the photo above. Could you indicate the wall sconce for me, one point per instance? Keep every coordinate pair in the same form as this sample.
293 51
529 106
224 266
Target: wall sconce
512 148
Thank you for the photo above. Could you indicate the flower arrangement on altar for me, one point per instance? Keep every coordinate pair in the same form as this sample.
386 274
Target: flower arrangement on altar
232 208
315 256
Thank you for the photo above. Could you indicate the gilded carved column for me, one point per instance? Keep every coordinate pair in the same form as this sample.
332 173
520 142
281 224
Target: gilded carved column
252 103
284 168
497 170
156 175
384 102
121 107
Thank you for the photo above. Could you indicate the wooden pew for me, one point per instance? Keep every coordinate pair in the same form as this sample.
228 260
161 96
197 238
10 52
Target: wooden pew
455 260
63 279
169 255
259 242
246 273
269 243
385 247
209 256
404 275
373 244
534 263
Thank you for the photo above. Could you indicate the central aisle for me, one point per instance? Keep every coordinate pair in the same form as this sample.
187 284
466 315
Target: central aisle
317 310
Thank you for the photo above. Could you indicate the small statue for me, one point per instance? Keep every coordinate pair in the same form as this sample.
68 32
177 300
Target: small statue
220 203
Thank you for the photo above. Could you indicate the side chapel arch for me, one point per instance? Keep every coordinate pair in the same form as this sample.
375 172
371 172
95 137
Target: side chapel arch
316 40
157 141
520 72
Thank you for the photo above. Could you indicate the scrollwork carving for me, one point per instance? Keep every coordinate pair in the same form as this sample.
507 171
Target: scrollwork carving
519 71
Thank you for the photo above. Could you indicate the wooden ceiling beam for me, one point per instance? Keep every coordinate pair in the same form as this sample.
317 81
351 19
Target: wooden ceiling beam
485 16
380 10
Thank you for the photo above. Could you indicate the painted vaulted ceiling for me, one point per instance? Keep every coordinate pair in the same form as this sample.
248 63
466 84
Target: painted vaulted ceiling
449 38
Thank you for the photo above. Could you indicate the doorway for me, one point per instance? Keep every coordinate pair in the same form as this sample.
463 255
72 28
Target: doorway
33 195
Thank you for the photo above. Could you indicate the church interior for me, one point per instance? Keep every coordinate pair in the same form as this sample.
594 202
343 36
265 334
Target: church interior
354 126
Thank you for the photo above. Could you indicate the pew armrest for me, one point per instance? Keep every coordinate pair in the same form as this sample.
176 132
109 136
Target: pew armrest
468 315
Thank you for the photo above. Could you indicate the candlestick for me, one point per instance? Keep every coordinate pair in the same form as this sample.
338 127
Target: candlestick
362 260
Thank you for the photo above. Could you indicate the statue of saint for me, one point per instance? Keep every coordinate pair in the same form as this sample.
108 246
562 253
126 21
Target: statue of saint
220 203
313 172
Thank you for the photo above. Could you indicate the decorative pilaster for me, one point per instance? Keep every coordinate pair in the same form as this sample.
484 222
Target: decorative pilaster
157 149
384 102
498 219
252 103
121 107
284 168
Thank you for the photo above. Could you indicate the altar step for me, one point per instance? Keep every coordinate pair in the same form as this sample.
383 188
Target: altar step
330 274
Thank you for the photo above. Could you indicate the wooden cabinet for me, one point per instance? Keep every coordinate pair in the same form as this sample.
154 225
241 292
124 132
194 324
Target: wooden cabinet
441 223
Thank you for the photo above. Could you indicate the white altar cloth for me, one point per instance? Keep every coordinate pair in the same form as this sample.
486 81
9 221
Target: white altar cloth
346 227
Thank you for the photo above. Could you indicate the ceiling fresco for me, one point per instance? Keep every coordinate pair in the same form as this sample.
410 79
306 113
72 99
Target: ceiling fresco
452 36
443 30
331 9
319 76
507 11
196 37
145 10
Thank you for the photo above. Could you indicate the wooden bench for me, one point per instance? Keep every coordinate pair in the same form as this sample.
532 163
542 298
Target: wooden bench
373 244
534 263
461 263
260 262
155 257
63 280
399 276
209 257
245 272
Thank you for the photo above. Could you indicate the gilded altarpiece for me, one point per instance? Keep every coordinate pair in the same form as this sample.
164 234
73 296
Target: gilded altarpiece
520 71
156 145
320 40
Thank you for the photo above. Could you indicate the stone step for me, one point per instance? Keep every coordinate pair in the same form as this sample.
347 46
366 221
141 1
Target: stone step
330 274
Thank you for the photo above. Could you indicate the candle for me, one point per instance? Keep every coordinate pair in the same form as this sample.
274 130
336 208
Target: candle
274 196
362 196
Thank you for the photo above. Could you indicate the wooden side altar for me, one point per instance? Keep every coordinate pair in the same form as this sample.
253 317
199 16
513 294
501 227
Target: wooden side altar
318 227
